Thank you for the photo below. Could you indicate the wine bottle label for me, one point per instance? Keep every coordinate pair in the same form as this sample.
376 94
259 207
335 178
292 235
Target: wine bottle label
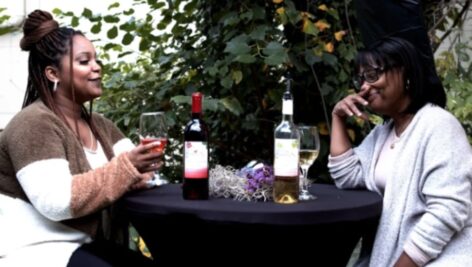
286 157
196 160
287 107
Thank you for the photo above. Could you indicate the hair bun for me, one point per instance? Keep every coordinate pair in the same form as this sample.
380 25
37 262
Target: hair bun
38 24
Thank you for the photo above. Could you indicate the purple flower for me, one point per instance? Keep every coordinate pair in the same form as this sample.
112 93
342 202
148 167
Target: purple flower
258 176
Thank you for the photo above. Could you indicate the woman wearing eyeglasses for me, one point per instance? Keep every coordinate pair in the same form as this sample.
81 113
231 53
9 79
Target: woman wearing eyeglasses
419 160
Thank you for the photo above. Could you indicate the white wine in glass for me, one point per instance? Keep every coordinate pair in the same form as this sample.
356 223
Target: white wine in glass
309 150
153 128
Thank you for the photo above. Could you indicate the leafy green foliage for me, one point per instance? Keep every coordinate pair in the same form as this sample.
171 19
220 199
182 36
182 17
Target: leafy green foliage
455 70
236 53
4 18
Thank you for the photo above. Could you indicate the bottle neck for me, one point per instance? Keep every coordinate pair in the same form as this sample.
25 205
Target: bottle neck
196 115
287 110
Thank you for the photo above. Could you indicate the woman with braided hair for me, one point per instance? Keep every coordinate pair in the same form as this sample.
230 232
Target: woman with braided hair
60 164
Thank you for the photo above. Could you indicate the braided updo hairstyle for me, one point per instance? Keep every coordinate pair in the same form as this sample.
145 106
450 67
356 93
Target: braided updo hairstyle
47 43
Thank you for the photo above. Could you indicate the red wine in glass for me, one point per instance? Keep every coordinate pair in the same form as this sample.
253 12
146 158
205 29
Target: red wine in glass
153 128
162 142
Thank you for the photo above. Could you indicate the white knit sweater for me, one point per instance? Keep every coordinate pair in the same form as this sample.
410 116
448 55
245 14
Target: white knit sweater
428 196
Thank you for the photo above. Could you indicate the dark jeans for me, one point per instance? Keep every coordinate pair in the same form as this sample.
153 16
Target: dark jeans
105 254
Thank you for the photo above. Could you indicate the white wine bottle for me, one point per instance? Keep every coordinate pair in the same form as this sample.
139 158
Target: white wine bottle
286 148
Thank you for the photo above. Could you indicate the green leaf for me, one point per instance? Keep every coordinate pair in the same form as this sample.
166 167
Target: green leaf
259 32
309 28
129 12
247 15
274 48
109 46
311 58
96 28
190 7
283 18
144 44
232 104
111 19
127 39
158 5
245 58
292 13
114 5
87 13
237 76
212 71
276 53
227 82
210 104
178 30
334 13
112 33
161 25
5 30
238 45
181 99
258 12
330 59
128 26
74 22
230 19
326 89
124 54
56 11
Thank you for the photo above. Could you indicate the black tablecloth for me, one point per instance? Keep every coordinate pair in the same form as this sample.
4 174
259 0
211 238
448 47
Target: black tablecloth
322 232
331 205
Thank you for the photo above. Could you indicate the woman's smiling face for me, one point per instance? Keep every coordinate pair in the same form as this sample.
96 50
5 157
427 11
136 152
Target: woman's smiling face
85 68
386 95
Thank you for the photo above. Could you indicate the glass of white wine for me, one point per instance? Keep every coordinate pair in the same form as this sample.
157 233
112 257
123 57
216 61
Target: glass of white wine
309 150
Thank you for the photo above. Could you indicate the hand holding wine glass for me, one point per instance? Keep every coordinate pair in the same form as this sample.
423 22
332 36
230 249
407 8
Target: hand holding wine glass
153 129
309 150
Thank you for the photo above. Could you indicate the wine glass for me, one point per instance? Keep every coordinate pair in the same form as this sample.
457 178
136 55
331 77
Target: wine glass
153 128
309 150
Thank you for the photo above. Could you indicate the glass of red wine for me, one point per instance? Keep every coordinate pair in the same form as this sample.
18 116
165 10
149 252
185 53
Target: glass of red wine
153 128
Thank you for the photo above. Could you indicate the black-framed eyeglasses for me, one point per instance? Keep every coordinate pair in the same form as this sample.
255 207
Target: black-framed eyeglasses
370 75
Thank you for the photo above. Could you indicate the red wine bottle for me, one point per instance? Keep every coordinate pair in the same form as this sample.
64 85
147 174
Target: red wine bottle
195 182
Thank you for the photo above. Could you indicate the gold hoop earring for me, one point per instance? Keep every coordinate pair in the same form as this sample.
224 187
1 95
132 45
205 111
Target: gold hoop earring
54 88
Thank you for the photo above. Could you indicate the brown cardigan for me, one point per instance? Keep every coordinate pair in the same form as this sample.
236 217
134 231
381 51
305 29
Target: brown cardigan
36 133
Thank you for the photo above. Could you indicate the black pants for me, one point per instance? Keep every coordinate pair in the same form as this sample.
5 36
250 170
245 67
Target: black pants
104 254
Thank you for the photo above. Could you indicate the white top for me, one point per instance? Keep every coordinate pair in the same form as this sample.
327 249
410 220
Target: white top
96 158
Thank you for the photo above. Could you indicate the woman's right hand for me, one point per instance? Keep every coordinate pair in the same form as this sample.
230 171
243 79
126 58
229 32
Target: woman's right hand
144 160
348 106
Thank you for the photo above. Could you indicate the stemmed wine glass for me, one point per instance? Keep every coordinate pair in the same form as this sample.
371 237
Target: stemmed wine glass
153 128
309 150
